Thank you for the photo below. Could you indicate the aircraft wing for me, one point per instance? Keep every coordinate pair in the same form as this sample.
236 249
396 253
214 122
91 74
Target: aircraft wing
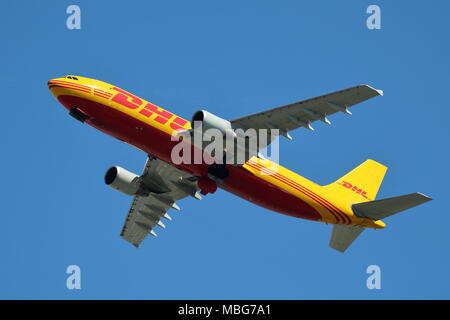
303 113
147 211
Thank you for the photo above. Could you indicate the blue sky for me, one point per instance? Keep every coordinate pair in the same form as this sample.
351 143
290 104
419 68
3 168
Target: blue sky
232 58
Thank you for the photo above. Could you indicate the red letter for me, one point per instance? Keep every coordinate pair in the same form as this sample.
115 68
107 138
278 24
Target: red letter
123 96
163 114
346 184
178 123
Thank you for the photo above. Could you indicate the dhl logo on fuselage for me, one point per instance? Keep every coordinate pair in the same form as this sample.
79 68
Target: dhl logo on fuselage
355 189
125 99
148 109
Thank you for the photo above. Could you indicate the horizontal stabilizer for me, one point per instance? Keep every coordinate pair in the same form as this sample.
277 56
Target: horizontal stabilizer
380 209
343 236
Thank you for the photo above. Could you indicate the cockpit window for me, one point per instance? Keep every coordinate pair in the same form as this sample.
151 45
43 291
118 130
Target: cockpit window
71 77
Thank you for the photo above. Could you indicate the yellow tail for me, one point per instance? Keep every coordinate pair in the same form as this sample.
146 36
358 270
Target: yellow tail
359 185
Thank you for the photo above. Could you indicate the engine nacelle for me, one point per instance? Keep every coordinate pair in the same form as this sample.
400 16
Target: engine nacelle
211 121
123 180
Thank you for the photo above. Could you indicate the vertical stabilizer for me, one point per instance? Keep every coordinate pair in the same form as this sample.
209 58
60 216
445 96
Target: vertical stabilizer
361 184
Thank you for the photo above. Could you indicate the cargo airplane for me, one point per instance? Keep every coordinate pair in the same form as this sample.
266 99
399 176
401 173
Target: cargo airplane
349 203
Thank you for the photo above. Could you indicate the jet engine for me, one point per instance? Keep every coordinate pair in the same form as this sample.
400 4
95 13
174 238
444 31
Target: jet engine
123 180
211 121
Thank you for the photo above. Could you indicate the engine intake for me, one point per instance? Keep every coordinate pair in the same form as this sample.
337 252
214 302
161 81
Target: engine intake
211 121
123 180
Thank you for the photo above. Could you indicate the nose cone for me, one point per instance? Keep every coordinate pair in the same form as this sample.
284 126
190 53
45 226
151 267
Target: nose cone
54 85
69 85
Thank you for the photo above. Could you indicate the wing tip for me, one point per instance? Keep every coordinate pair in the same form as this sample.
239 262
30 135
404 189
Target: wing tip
424 196
378 91
337 248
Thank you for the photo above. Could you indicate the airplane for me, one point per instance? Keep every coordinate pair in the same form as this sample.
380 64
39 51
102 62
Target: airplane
349 203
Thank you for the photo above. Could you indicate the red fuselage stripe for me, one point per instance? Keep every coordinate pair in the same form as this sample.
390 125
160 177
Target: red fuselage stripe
69 87
329 205
304 190
102 95
70 83
102 92
345 218
337 217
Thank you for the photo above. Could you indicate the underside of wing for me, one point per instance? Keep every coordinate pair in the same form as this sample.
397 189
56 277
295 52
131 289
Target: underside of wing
303 113
163 186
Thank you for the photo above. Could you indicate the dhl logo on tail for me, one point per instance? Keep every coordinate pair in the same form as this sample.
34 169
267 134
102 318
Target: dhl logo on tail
359 191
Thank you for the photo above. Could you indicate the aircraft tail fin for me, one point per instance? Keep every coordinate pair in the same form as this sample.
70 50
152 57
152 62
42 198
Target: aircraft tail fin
359 188
343 236
383 208
361 184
